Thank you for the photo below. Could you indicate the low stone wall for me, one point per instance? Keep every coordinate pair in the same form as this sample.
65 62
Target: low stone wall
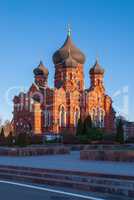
107 155
79 147
34 151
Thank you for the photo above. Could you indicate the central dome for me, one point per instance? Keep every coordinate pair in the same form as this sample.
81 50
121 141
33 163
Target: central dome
62 54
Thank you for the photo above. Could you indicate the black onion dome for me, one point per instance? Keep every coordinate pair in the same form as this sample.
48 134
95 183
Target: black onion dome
96 69
62 54
41 70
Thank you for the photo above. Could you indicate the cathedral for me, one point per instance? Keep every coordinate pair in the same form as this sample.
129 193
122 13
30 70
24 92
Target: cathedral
53 110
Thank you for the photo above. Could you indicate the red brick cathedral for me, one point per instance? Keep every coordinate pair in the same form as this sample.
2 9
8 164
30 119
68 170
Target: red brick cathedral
43 109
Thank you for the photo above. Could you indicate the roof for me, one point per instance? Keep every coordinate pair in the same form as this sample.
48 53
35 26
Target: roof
41 70
60 56
96 69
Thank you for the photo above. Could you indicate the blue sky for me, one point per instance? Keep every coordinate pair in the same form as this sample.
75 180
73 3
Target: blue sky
31 30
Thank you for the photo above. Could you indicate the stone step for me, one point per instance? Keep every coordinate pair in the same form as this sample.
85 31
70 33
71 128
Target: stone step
67 183
74 180
90 180
70 172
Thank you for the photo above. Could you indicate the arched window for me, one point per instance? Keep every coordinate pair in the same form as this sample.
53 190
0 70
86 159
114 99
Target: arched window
26 104
21 106
98 120
78 84
76 117
62 76
98 117
93 116
102 115
18 107
47 118
62 117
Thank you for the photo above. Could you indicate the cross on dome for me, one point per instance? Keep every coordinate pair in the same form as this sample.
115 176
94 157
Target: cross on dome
69 30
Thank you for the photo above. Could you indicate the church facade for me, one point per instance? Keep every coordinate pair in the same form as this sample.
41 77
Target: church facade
52 110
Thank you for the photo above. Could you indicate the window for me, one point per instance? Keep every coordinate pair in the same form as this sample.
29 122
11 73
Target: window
62 76
78 83
62 117
98 117
102 118
18 107
76 117
26 104
94 117
47 118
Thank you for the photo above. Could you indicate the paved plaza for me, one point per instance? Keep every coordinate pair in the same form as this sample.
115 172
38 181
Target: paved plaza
70 162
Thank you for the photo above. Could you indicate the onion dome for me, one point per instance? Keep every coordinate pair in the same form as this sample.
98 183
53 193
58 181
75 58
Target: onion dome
96 69
41 70
69 61
60 56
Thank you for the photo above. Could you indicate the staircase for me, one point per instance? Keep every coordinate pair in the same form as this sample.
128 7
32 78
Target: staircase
122 186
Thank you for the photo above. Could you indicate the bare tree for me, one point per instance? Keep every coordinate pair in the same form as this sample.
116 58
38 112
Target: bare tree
0 123
7 127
